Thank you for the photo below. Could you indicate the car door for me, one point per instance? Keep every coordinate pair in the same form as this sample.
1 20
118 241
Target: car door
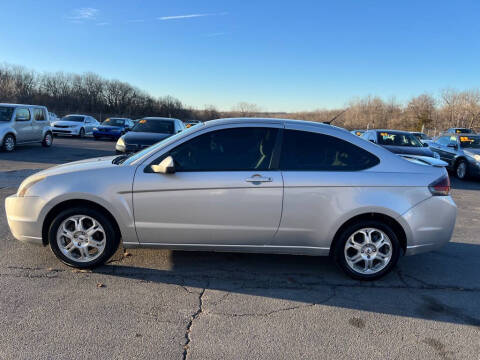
38 123
23 124
440 146
322 176
226 190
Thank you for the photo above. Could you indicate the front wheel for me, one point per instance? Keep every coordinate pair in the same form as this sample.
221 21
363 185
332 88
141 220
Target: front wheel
47 140
81 133
367 250
82 237
8 143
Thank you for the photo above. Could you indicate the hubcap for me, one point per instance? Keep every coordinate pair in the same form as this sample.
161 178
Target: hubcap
461 170
368 251
9 143
81 238
48 139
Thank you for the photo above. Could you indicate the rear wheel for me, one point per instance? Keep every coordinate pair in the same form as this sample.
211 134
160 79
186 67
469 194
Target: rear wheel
81 133
47 140
367 250
8 143
461 169
82 237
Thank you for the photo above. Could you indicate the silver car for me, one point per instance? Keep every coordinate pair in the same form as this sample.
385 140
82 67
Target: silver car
24 124
75 125
249 185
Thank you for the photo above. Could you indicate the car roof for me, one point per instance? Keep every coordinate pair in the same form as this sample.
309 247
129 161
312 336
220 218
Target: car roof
18 105
271 121
391 131
158 118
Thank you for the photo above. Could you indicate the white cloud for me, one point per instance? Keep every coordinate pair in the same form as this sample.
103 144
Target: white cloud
84 14
187 16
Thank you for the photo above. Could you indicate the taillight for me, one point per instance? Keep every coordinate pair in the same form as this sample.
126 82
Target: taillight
440 187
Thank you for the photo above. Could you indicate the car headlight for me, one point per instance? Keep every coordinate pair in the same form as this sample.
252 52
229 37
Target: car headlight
95 129
27 184
121 142
476 157
436 156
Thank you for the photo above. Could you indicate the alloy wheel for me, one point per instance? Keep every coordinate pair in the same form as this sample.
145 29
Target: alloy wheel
81 238
368 251
9 143
461 170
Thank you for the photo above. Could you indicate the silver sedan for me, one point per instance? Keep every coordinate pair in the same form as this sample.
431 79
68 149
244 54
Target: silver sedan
249 185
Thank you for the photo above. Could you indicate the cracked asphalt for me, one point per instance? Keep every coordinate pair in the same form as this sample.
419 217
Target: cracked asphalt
158 304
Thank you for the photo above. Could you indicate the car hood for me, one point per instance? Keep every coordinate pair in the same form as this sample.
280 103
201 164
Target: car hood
409 150
109 127
472 151
76 166
143 138
64 122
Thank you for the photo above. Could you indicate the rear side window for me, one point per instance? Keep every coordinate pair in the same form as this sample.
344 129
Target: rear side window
307 151
39 115
444 140
237 149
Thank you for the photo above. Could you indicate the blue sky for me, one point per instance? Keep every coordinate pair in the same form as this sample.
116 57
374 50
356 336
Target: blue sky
281 55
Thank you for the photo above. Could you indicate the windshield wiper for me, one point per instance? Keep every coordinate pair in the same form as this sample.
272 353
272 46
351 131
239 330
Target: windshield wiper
120 159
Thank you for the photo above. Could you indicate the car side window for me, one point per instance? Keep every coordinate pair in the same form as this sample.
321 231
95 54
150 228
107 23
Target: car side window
237 149
22 114
308 151
443 140
39 115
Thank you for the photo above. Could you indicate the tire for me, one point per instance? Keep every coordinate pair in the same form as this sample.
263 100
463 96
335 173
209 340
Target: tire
461 169
104 238
47 140
380 266
9 143
81 133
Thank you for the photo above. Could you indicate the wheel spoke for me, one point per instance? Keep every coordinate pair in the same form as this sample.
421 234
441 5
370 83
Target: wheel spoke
84 252
70 246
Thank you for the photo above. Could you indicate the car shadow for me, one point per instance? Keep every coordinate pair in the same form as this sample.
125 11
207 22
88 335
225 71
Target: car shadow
470 184
438 286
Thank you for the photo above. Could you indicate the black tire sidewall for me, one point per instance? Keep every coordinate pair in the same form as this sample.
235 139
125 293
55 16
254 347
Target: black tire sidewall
339 253
81 133
112 240
4 148
44 142
466 169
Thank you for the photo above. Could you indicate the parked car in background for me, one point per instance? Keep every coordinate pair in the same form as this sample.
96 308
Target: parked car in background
191 123
24 124
357 132
113 128
461 152
460 131
399 142
75 125
248 185
148 131
424 138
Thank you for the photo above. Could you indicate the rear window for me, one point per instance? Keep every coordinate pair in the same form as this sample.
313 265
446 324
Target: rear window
6 113
307 151
472 142
39 115
398 139
154 126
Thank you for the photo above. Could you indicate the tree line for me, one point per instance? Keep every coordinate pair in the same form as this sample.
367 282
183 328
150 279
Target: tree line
92 94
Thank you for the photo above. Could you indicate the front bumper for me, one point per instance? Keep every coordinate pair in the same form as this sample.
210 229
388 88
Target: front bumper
65 131
474 168
23 217
109 134
430 224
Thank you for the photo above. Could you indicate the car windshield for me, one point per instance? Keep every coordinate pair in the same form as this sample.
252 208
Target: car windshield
114 122
128 159
463 131
154 126
74 118
398 139
470 142
6 113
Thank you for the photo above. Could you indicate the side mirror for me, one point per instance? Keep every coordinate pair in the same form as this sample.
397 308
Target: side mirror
373 141
425 145
454 146
166 166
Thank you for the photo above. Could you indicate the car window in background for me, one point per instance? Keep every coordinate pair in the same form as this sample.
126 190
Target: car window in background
154 126
307 151
74 118
6 113
238 149
398 139
114 122
470 142
22 114
464 131
443 140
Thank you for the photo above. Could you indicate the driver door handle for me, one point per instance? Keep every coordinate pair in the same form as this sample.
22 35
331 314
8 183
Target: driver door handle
258 178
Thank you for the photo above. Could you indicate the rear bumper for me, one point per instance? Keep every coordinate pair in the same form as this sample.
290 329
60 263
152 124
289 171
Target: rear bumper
22 216
430 224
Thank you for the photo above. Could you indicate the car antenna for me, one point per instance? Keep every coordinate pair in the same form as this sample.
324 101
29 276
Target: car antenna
335 117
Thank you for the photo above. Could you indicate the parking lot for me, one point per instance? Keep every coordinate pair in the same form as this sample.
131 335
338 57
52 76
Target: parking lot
159 304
